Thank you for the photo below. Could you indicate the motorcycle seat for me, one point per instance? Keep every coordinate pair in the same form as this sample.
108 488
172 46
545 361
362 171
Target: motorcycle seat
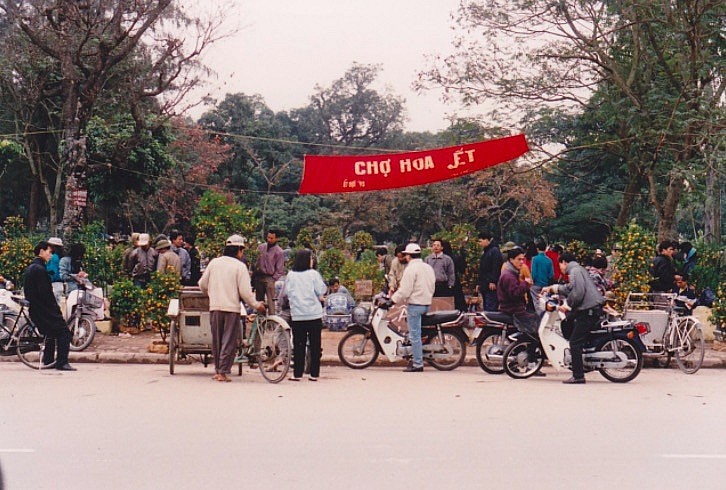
499 317
438 317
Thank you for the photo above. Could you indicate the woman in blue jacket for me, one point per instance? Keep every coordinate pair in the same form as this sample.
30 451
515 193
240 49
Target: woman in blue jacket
305 289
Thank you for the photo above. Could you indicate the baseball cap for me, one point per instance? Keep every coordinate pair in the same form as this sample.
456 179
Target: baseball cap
143 239
55 241
236 240
412 248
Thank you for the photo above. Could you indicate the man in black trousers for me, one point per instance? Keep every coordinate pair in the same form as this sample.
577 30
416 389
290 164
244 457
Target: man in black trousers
44 310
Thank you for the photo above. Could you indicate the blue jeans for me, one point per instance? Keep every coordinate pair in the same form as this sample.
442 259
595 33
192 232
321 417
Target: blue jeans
414 313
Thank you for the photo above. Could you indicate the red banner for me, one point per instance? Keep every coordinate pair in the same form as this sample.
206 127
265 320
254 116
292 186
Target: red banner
350 173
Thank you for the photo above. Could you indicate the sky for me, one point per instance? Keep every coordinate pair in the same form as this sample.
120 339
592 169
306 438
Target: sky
283 48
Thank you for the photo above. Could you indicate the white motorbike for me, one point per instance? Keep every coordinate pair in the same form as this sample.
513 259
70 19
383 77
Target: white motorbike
370 333
84 306
614 349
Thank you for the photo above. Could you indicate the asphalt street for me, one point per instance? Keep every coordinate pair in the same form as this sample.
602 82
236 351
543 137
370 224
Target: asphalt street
116 426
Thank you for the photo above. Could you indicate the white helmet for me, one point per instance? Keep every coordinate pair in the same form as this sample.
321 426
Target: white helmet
236 240
412 248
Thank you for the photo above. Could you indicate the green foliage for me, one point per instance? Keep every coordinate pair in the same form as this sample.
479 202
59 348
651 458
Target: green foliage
463 238
366 268
330 263
362 240
580 250
218 217
125 301
101 262
332 237
16 252
15 255
155 298
13 227
305 238
710 270
718 312
631 268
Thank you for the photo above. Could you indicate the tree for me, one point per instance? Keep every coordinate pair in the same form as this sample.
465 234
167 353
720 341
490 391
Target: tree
350 112
196 156
263 162
660 62
127 45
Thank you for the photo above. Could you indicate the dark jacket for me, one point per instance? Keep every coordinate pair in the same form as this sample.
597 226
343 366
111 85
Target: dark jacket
663 272
44 310
510 292
490 266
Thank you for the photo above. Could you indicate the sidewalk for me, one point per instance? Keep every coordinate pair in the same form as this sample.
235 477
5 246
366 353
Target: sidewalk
134 349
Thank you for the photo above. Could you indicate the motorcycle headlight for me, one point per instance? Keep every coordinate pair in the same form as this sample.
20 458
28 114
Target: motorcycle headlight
360 315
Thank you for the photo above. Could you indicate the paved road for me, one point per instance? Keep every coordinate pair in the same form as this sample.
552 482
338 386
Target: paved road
135 426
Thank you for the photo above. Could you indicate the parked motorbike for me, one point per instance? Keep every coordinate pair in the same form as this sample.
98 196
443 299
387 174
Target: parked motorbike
83 307
614 349
489 332
370 334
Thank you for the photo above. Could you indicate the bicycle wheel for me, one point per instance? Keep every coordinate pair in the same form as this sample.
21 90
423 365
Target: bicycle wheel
31 344
83 329
490 352
273 356
691 345
172 346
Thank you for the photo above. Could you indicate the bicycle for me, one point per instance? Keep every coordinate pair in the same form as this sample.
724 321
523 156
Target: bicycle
269 346
672 334
20 336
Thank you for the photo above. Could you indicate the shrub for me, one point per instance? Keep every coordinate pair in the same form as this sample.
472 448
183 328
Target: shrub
331 262
332 237
125 302
217 216
631 268
718 312
16 252
463 238
366 268
362 240
155 298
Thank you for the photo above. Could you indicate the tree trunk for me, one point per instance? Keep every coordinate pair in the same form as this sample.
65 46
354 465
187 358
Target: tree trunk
631 191
31 221
667 216
74 158
712 208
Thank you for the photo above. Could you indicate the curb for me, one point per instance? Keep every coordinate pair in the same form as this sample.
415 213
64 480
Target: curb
709 362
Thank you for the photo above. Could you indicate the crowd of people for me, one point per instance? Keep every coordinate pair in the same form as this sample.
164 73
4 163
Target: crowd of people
510 279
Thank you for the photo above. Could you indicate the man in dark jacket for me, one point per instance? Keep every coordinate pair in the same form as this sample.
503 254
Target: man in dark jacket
490 267
583 308
662 268
44 310
511 291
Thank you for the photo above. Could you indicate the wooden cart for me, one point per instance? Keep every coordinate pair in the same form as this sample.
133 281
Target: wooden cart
266 345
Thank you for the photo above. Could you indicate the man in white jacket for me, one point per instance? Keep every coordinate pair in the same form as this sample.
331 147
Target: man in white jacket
227 281
417 286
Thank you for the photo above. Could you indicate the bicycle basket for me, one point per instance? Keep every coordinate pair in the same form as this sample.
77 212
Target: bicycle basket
92 300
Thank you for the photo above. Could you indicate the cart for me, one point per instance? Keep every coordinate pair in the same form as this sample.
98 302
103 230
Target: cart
264 341
671 333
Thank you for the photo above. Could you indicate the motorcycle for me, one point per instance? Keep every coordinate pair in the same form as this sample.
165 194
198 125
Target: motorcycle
489 332
614 349
84 306
371 333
